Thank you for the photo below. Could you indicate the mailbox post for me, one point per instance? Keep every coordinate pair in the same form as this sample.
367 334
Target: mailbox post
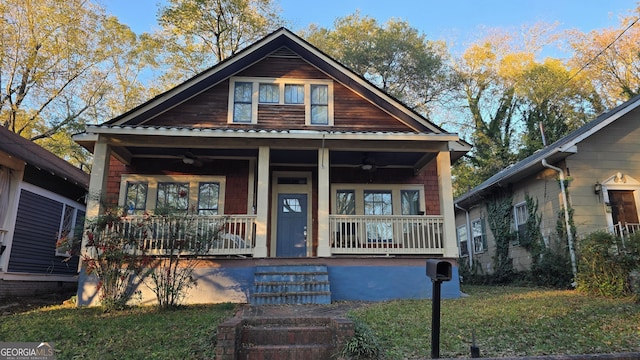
438 271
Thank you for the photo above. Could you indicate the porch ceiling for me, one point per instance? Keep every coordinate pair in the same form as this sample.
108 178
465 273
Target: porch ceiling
339 158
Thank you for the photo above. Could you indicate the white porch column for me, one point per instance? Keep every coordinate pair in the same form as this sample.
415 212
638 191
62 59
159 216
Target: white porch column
446 204
98 178
324 236
97 184
262 203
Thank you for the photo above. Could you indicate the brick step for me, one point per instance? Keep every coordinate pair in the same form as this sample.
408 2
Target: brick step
287 352
286 335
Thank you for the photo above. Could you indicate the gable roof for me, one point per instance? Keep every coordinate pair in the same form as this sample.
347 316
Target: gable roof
41 158
256 52
555 152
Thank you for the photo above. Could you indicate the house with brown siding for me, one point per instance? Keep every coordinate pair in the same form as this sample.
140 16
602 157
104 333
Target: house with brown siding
600 166
310 167
42 200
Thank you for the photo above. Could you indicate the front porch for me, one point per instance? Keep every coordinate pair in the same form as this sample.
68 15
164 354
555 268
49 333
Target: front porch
235 235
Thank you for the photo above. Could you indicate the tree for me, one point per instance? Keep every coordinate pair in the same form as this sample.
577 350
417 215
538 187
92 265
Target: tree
611 58
55 67
197 34
553 103
394 56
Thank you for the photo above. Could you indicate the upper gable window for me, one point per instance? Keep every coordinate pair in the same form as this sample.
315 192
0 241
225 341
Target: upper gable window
319 104
247 94
293 94
269 94
242 102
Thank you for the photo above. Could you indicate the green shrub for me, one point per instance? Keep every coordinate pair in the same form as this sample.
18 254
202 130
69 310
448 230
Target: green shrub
605 262
363 345
552 269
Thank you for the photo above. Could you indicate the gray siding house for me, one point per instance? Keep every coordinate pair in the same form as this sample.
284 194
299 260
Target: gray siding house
600 165
41 199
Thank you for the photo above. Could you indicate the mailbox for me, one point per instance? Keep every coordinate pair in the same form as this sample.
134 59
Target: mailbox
439 270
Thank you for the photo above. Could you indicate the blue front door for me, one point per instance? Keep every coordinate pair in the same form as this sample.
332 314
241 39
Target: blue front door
292 225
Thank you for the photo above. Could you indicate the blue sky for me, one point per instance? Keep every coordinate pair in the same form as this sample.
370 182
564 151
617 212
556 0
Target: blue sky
457 22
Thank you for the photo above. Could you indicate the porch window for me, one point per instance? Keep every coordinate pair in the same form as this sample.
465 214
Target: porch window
269 94
242 102
410 202
379 203
479 236
293 94
136 201
461 234
168 193
208 194
319 105
520 220
345 202
173 196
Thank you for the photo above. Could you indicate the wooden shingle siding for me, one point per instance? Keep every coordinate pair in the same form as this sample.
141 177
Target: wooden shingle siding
35 236
209 109
277 67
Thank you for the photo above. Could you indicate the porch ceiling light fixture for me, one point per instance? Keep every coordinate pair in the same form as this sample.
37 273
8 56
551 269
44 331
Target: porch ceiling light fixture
367 167
188 160
597 188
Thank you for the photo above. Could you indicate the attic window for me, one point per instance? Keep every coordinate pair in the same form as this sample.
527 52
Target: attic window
247 95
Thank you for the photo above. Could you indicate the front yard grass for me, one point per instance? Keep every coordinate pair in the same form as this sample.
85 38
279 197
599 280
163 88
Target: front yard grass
507 321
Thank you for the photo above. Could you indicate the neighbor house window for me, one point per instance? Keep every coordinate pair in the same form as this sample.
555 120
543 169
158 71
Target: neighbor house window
136 198
461 234
520 220
72 218
208 197
293 94
319 104
242 102
478 234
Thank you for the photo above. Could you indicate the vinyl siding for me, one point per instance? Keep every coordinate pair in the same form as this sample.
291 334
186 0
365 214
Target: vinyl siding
33 248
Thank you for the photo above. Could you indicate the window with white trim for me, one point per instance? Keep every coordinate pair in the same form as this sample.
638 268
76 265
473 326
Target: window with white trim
461 234
520 215
70 227
242 102
247 94
152 193
478 235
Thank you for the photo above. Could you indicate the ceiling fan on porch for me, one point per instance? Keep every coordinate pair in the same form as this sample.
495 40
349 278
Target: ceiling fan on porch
368 163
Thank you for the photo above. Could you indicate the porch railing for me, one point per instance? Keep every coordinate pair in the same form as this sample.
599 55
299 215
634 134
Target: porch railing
196 234
386 234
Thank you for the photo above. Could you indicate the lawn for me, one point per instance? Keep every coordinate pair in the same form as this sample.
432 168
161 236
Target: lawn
507 321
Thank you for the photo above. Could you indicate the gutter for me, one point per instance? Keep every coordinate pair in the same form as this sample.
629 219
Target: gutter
572 252
469 238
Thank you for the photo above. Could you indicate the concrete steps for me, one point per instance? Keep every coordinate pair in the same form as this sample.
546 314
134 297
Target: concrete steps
291 284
